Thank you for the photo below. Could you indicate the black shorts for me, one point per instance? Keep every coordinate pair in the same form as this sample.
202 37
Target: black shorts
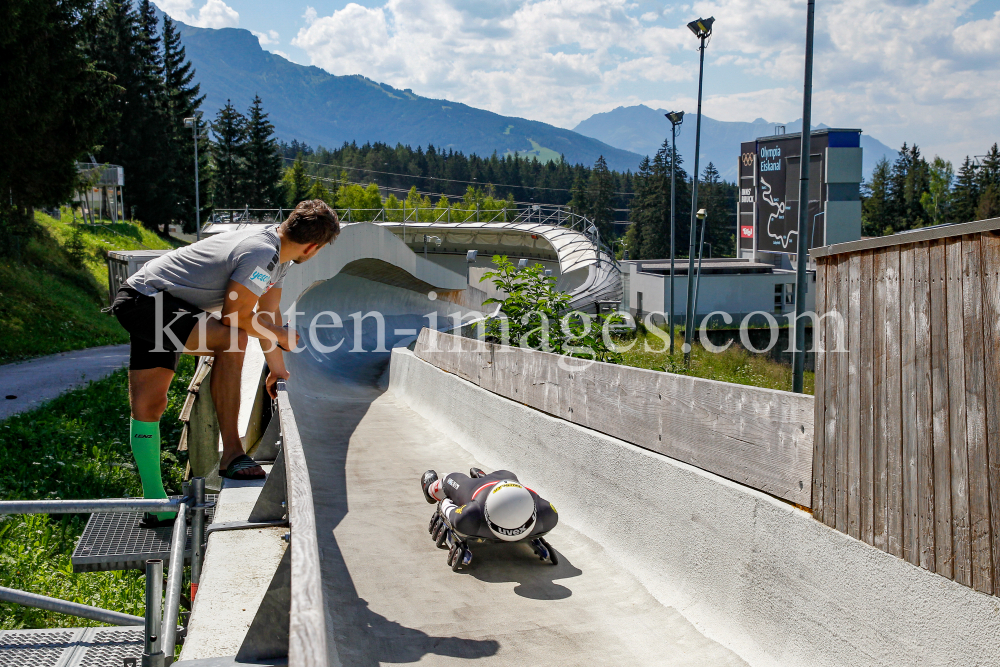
137 314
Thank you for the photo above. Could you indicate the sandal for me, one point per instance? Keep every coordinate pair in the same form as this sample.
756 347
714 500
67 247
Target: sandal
240 464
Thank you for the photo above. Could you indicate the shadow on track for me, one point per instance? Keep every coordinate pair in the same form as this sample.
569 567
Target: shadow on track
505 563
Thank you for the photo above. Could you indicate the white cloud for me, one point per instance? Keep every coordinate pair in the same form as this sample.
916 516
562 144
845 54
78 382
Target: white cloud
266 38
213 14
903 71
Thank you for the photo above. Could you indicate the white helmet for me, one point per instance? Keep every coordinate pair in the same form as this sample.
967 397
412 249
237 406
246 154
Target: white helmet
509 511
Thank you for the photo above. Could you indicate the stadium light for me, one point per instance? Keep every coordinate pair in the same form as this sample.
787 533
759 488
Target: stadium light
702 28
192 122
675 118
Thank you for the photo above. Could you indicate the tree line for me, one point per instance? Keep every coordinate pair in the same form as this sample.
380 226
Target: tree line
649 235
107 82
912 192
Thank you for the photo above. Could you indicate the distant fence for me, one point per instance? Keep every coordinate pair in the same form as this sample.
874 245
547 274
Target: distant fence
907 440
761 438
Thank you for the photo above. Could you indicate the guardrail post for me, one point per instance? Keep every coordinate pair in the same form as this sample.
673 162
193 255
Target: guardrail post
175 577
152 655
268 634
197 533
271 502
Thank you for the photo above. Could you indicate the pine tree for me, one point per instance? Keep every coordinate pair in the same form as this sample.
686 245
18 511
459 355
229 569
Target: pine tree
320 191
56 104
876 212
263 164
183 99
229 157
580 201
600 193
126 45
965 195
989 186
718 198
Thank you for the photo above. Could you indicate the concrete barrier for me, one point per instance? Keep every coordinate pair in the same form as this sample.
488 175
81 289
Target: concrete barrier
750 571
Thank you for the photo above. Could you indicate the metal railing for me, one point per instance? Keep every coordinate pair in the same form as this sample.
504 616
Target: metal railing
160 634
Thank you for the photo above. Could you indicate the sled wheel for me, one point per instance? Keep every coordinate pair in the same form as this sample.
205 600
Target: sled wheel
438 529
452 553
434 520
459 557
553 558
441 536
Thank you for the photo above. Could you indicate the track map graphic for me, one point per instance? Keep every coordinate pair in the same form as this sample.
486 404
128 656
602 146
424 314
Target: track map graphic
778 213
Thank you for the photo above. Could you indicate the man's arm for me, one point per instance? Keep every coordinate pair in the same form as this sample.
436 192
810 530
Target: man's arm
269 310
238 310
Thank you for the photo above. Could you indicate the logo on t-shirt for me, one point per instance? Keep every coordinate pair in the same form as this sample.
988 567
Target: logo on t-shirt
260 278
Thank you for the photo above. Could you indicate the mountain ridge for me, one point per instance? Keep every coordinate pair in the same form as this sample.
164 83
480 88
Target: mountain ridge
642 130
304 103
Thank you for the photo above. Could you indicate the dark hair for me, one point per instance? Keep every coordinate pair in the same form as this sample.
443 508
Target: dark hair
312 221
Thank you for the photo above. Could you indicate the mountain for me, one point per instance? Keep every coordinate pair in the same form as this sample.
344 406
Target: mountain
642 130
318 108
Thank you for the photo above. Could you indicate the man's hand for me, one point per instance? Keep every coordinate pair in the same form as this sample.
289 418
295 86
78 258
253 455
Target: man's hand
271 383
288 339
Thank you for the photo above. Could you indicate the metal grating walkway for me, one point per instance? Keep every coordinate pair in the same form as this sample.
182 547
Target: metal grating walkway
116 541
70 647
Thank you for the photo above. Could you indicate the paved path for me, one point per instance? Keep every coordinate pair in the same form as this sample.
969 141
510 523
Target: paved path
39 380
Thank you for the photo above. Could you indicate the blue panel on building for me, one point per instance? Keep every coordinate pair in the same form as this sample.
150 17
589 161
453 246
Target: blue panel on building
844 139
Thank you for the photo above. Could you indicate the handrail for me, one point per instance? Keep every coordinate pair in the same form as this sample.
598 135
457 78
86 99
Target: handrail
89 506
307 618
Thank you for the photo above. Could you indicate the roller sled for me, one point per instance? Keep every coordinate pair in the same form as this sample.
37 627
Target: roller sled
459 553
486 509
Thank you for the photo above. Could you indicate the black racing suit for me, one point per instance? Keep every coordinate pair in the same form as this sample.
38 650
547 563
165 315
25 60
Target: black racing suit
467 498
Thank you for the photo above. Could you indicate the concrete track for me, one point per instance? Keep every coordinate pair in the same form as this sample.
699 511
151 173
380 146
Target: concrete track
390 595
392 598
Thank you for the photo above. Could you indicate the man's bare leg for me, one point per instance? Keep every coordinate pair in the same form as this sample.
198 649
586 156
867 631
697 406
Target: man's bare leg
228 348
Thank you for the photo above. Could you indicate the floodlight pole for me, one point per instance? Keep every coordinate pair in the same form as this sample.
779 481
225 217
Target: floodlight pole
673 216
799 352
197 203
689 311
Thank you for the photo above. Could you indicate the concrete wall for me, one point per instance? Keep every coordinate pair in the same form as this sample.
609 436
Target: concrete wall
733 293
754 573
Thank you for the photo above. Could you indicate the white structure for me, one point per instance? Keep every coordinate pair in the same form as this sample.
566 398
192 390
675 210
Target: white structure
735 286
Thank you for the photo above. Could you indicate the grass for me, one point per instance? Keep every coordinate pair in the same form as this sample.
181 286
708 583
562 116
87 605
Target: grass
76 446
51 296
735 365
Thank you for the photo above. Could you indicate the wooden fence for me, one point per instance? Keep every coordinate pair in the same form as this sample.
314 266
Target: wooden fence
907 422
761 438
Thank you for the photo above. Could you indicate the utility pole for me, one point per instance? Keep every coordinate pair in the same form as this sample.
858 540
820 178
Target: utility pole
799 352
675 118
702 28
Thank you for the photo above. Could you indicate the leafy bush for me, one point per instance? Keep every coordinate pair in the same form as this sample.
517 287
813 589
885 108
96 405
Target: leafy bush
536 315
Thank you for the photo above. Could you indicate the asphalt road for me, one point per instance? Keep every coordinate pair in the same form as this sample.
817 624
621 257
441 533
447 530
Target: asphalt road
37 381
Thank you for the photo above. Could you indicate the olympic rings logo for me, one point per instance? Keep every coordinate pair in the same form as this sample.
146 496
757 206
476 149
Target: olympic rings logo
748 159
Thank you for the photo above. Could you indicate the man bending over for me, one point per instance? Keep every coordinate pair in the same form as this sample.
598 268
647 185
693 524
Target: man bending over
200 300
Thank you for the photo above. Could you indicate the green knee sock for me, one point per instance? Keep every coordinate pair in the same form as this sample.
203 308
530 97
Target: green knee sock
146 450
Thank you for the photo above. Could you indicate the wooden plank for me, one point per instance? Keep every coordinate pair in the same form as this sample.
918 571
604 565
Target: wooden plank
854 401
962 548
866 321
307 616
833 342
924 424
843 391
758 437
819 409
991 370
975 411
880 482
893 407
941 429
908 406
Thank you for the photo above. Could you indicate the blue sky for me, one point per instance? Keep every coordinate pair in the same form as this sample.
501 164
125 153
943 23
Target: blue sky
903 70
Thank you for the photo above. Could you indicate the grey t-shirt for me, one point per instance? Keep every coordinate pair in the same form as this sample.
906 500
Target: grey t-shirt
199 273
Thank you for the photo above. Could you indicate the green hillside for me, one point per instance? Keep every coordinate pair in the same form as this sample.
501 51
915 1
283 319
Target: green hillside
52 289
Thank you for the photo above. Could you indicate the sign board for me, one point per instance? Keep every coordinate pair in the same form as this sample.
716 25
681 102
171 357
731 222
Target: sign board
769 190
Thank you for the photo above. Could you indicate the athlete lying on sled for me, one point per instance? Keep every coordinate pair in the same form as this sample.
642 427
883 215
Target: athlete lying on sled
486 508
